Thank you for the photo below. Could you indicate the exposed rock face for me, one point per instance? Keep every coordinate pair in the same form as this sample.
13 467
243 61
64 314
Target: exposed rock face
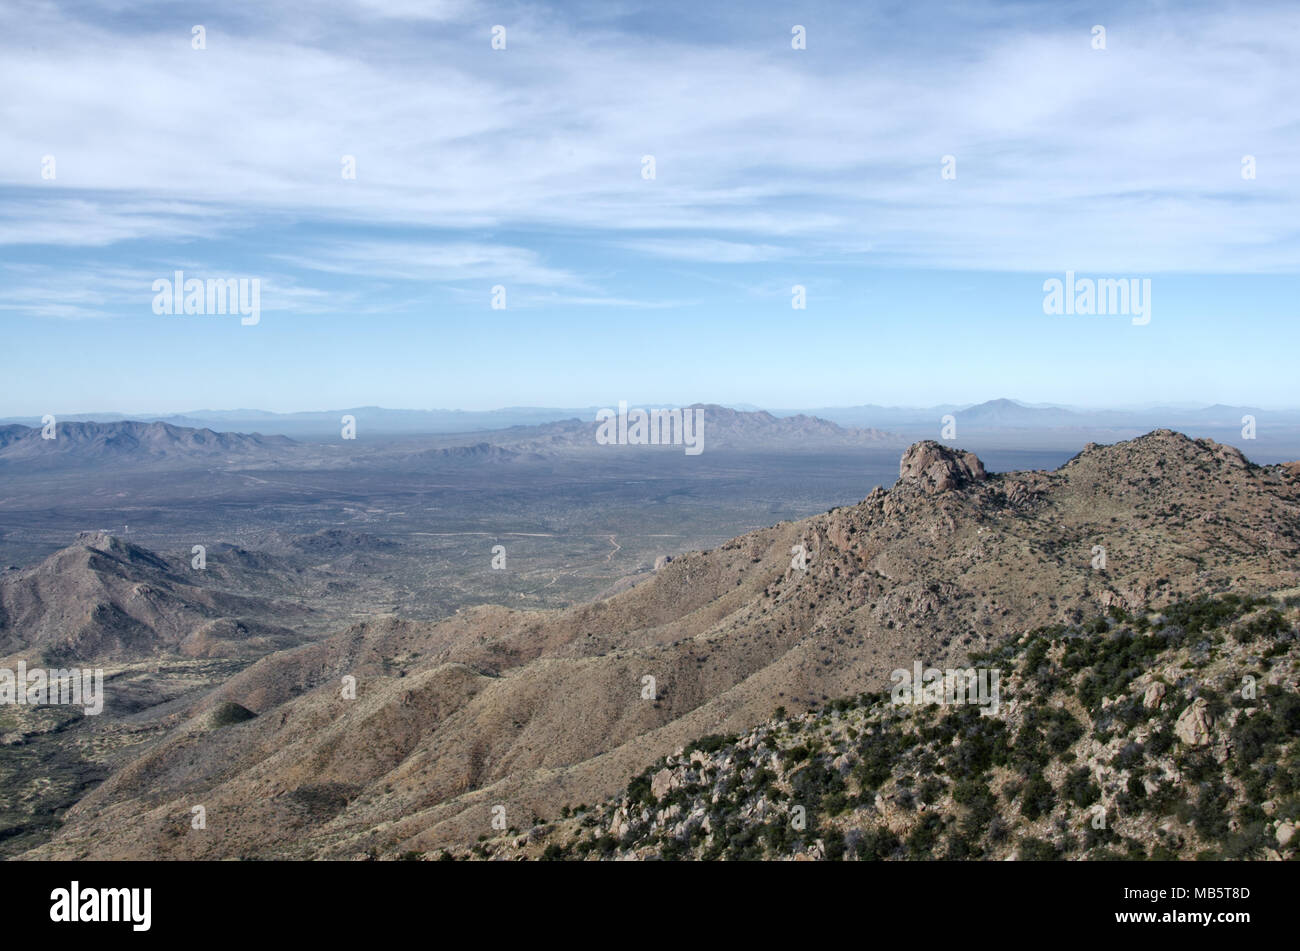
663 783
1155 694
937 468
1194 723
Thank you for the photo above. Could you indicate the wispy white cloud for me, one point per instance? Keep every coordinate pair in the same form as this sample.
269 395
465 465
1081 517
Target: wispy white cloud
81 292
708 250
533 299
95 222
95 290
1126 158
439 11
431 261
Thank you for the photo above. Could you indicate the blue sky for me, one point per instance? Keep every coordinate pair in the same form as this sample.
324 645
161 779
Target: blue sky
522 167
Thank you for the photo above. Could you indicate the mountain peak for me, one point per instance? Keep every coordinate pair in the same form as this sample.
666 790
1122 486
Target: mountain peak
114 546
99 539
938 468
1163 447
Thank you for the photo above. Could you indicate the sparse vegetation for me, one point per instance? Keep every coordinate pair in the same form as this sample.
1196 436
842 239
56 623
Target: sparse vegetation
1088 767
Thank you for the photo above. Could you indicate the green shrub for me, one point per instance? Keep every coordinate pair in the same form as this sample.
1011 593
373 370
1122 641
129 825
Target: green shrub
1037 798
1080 788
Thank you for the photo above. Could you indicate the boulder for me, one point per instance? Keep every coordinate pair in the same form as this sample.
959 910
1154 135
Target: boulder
1155 694
1194 724
1285 833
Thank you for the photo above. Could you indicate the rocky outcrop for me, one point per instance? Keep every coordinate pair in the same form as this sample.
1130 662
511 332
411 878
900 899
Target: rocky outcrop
938 468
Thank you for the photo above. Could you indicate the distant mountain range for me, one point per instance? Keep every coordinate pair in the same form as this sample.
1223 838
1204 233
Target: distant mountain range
78 443
1000 423
130 442
997 413
1012 414
723 428
326 423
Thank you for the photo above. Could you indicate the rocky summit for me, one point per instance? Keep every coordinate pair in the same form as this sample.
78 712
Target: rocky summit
938 468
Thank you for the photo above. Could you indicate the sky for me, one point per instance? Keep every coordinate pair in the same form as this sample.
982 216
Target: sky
919 169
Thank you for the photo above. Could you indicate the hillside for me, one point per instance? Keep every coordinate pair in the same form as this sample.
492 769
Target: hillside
103 598
536 710
1166 736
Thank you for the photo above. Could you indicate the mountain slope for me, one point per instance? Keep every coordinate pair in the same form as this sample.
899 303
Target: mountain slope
1173 736
536 710
103 598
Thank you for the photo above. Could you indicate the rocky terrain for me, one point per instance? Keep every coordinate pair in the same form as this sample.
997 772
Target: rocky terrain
524 713
1172 735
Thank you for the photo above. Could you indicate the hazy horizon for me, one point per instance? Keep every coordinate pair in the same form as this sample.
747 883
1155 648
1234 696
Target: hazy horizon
739 406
